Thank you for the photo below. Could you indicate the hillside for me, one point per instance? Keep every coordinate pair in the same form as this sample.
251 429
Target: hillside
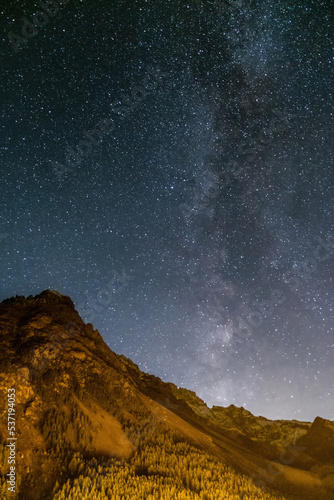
90 424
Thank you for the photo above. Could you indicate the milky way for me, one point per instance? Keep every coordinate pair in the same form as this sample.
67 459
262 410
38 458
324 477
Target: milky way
168 165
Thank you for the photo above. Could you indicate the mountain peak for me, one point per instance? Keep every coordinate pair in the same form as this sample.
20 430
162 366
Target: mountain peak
47 296
38 331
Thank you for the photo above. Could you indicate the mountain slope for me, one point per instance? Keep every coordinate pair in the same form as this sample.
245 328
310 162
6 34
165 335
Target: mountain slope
84 414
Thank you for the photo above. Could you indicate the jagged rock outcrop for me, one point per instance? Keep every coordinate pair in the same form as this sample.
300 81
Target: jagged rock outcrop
319 440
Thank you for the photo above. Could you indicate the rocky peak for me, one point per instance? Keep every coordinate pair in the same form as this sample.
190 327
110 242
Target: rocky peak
39 331
45 297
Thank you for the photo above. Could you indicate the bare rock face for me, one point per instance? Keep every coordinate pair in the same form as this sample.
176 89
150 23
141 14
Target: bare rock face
279 432
319 440
74 395
58 367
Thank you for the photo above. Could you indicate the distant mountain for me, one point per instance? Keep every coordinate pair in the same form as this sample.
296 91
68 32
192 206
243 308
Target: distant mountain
89 424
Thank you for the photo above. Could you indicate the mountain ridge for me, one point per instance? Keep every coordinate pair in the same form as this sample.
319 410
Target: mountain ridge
68 379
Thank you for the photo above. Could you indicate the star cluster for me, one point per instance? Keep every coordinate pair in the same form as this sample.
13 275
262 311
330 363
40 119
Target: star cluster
169 167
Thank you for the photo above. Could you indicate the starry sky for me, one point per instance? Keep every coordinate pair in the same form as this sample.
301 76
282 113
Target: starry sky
169 166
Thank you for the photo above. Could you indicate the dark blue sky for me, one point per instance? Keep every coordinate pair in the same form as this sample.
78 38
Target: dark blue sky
169 166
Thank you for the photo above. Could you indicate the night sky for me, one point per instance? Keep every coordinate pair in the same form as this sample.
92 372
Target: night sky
169 166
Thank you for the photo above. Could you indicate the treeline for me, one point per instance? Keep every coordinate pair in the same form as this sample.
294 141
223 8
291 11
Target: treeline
163 468
60 430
